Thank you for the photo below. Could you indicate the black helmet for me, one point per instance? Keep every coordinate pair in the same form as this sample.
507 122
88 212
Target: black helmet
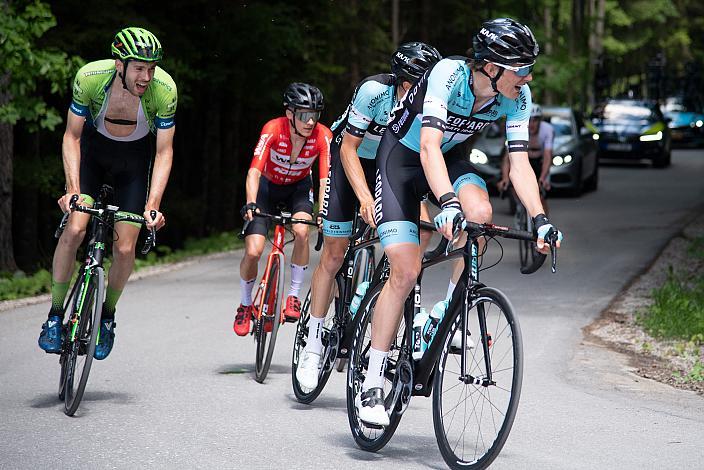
302 95
412 59
505 42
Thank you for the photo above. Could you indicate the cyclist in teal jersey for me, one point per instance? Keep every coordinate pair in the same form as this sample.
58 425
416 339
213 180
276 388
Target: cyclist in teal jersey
116 105
453 100
356 136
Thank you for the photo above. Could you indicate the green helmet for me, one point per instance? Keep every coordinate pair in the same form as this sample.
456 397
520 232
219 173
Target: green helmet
136 44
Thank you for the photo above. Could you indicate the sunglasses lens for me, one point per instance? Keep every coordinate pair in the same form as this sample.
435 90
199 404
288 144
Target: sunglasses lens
524 71
305 116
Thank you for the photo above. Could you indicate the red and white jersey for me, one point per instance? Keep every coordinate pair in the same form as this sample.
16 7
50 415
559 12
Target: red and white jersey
272 156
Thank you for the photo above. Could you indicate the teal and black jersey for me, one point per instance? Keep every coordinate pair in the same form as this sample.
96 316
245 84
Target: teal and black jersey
368 113
443 99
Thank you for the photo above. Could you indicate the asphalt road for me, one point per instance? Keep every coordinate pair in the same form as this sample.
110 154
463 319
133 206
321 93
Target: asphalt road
178 391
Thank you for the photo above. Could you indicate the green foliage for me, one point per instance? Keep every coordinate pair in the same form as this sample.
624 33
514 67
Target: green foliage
678 309
17 287
696 248
26 69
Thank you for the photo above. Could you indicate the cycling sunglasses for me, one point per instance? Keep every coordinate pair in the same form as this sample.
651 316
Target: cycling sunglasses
520 71
305 116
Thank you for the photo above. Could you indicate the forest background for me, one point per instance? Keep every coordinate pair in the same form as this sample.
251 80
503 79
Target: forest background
232 60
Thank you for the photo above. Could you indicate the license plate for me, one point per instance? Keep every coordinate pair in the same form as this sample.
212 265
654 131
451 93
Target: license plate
619 147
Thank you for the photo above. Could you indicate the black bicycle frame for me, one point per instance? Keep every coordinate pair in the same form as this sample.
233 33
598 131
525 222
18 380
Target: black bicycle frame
424 370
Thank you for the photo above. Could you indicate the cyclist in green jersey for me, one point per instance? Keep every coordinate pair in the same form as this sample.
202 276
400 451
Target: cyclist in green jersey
116 104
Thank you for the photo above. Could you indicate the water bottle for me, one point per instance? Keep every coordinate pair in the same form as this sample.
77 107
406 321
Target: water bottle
419 344
434 319
358 296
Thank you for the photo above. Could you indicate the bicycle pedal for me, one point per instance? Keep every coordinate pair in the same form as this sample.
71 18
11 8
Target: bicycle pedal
371 425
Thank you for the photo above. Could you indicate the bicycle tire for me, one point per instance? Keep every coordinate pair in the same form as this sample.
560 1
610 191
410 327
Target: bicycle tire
270 303
370 439
70 300
364 267
84 341
531 259
299 344
491 405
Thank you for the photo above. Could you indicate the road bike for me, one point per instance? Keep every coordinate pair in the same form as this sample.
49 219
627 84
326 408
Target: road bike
357 267
84 304
475 378
530 258
268 298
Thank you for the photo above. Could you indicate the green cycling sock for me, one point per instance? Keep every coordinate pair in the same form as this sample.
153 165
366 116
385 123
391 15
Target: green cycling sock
58 296
111 298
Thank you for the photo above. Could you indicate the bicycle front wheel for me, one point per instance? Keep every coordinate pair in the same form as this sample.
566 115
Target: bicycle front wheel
299 344
269 318
473 411
82 340
371 438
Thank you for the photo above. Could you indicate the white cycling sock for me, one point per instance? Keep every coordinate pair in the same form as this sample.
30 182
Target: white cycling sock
314 344
450 289
246 291
375 371
297 274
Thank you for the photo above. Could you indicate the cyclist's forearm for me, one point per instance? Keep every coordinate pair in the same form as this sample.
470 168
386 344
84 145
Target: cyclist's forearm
160 178
353 168
524 183
547 161
71 154
435 170
252 185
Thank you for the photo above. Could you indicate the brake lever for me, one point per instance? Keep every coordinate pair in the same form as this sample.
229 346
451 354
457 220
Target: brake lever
552 240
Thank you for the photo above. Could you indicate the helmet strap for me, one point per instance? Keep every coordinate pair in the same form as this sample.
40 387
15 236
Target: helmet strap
495 79
124 72
292 121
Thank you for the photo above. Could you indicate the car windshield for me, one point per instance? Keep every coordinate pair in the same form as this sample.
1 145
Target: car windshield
561 125
624 112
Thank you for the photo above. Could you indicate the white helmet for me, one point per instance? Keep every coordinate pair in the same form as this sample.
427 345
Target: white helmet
536 111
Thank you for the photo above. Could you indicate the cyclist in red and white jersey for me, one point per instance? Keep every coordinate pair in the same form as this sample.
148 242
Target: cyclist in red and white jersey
281 173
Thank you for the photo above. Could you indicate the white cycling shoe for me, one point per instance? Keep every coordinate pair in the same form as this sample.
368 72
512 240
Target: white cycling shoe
307 371
370 407
456 343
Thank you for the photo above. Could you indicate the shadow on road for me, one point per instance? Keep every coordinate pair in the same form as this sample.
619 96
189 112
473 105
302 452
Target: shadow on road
327 403
248 368
50 400
401 448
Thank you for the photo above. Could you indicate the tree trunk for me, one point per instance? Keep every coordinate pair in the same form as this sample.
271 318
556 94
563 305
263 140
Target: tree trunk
7 254
395 32
549 97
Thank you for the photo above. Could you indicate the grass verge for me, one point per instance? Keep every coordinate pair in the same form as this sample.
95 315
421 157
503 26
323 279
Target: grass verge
13 286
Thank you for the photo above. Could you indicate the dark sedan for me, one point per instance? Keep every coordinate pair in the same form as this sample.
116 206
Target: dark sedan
633 130
574 165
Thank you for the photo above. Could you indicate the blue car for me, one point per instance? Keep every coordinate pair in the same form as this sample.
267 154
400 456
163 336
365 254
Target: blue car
685 123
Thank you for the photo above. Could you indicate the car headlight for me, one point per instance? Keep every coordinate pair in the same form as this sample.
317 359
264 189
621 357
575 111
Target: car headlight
700 123
557 160
651 137
477 156
595 136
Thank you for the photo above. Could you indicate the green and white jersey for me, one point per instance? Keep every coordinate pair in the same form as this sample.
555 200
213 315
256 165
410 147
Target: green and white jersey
94 79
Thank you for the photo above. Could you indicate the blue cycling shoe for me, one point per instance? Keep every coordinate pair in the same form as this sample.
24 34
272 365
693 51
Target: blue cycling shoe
51 337
106 338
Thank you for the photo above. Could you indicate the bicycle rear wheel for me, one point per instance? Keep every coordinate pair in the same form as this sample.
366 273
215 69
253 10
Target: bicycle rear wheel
364 264
473 417
299 344
81 347
269 311
367 437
